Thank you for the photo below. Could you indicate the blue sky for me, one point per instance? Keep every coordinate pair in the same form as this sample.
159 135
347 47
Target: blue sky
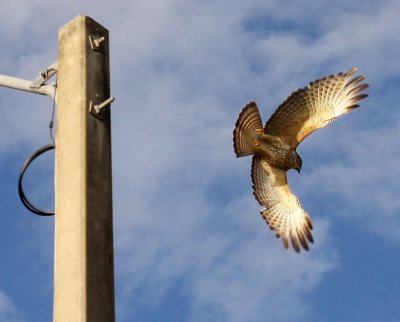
189 241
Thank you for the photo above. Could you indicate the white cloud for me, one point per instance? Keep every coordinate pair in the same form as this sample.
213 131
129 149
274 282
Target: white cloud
8 311
361 176
258 282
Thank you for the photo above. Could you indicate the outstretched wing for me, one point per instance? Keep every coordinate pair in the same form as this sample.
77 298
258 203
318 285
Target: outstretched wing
283 212
315 106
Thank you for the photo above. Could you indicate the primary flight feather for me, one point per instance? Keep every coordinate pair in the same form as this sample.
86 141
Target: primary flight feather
274 148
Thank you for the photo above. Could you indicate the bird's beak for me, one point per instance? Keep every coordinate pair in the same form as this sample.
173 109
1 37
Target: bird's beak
298 170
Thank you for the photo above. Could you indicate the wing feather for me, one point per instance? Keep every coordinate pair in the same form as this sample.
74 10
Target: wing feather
283 212
315 106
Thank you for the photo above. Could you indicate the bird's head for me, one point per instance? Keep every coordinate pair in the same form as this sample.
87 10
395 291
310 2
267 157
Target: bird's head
296 161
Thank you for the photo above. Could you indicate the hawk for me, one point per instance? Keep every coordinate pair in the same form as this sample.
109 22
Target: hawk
274 148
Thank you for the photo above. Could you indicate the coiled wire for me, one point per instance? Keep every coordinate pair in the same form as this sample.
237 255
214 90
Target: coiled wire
25 201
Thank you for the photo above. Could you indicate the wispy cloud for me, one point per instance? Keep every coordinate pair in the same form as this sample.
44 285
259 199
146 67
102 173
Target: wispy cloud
8 311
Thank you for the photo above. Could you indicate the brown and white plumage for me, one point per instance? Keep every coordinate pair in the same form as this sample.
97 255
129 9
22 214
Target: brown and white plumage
274 148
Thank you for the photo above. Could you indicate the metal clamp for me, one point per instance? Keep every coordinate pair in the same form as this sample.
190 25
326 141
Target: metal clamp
37 86
44 75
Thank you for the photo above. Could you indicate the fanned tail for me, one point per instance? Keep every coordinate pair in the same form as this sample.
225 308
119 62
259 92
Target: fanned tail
245 132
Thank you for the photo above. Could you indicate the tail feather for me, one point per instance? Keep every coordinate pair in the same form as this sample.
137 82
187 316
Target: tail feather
244 134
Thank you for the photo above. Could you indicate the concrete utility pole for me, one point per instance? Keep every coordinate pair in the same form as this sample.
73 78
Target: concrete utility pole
84 260
84 265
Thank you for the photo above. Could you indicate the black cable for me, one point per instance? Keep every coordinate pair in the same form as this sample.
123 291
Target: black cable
21 193
51 123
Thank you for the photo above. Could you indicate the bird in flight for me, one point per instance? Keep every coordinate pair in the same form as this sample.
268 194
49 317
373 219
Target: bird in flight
274 148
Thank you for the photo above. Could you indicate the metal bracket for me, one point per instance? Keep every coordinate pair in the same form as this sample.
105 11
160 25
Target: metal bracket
36 86
96 110
44 76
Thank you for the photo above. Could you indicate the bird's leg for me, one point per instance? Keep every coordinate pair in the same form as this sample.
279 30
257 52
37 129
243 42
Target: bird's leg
259 131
